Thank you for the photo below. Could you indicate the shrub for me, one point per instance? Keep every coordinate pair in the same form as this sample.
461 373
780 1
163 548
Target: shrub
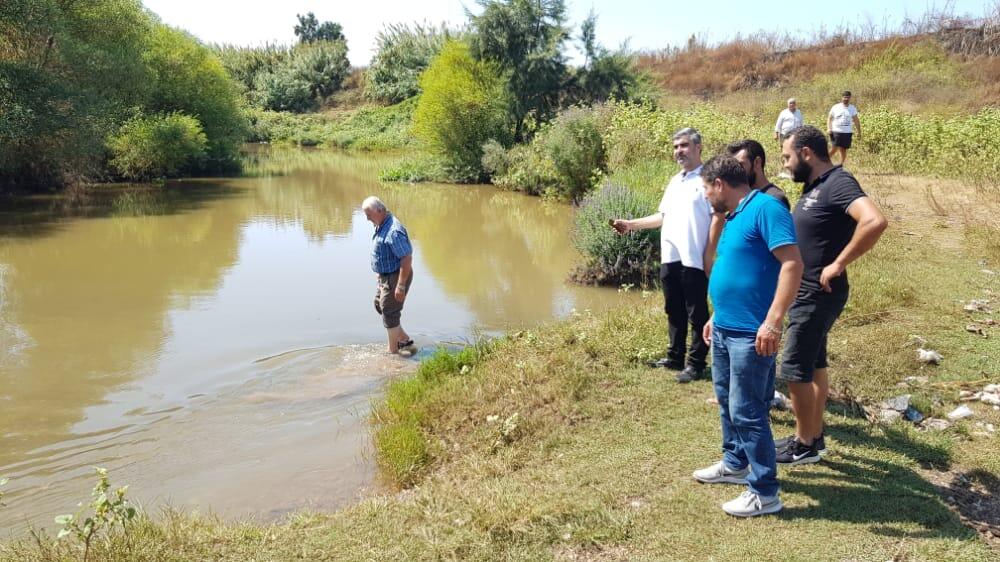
323 65
284 90
402 54
158 146
244 64
573 143
528 169
463 105
613 259
416 169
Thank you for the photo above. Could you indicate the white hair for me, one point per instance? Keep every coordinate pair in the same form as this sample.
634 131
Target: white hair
374 204
791 100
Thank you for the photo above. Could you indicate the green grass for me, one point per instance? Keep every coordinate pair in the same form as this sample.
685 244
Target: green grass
366 128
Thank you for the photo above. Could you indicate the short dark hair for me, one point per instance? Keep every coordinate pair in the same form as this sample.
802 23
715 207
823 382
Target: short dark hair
754 150
807 135
846 93
726 168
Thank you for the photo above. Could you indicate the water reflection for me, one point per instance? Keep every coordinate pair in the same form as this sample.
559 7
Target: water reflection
132 342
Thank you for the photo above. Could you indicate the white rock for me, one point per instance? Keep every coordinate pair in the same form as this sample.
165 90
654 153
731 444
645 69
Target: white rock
929 356
936 424
990 398
889 416
968 395
959 413
992 388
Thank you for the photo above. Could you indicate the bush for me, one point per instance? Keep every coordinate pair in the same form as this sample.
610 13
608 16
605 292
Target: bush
323 65
463 105
613 259
284 90
191 80
417 169
402 54
528 169
158 146
573 143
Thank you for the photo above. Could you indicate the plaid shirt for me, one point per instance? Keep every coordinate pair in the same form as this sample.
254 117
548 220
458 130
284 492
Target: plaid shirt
390 243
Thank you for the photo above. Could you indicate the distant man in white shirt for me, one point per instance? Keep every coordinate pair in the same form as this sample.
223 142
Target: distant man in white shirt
841 124
788 119
689 232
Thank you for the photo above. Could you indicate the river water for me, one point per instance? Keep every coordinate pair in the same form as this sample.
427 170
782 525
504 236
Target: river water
213 344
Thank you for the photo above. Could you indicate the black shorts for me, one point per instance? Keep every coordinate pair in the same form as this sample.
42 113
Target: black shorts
842 140
809 321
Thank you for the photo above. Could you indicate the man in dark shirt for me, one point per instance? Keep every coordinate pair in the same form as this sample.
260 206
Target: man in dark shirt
750 154
836 223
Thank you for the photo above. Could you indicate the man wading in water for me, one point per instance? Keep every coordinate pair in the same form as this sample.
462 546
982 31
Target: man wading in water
392 262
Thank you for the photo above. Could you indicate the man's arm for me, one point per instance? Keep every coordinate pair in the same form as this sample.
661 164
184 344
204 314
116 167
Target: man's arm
871 225
769 334
645 223
714 233
777 127
405 273
829 123
857 125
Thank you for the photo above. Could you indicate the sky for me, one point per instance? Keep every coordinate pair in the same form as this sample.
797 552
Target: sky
645 24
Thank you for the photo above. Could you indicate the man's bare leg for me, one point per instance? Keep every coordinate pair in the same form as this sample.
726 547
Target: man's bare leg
396 335
843 156
809 403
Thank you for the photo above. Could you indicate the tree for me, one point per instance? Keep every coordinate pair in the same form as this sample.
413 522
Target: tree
463 105
604 74
525 39
309 30
402 54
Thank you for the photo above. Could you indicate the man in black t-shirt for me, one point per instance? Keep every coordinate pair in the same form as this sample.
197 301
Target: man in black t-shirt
836 223
750 154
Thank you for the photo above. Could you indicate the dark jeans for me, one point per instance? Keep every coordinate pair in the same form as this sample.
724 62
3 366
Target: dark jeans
742 380
685 296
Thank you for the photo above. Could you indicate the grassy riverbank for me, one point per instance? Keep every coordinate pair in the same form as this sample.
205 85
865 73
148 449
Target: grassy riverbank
558 443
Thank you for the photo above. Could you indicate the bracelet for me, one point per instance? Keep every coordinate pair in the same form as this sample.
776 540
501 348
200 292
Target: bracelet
771 329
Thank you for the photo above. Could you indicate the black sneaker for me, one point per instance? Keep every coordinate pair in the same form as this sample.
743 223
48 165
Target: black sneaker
690 374
796 453
780 444
666 363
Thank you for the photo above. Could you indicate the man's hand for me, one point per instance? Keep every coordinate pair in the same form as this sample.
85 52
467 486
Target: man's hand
768 338
830 273
400 293
621 226
706 333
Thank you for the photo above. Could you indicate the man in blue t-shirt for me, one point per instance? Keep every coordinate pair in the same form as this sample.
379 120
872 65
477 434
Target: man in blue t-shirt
755 278
392 262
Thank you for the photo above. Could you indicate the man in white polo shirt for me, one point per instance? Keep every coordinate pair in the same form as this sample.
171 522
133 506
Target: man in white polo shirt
841 124
788 119
689 232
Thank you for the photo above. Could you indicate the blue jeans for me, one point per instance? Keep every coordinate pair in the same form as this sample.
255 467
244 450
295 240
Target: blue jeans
742 381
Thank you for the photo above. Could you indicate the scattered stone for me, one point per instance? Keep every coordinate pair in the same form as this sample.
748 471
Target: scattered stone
492 418
968 395
913 415
929 356
988 271
889 416
975 329
989 321
936 424
915 380
898 403
978 305
990 398
781 402
992 388
916 340
959 413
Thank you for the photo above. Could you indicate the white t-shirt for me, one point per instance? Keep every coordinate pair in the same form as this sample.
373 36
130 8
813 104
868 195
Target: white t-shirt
687 215
843 118
788 121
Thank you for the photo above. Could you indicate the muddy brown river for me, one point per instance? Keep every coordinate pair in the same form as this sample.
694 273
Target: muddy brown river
213 344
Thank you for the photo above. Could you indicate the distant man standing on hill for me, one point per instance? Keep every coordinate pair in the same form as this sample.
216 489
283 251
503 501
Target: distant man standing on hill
788 119
689 232
392 262
841 124
836 223
750 154
754 282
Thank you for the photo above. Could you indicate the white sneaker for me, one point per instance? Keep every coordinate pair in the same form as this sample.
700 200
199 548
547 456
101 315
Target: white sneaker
719 473
750 504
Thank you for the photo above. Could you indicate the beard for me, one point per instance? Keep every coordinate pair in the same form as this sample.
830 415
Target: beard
752 177
719 207
801 172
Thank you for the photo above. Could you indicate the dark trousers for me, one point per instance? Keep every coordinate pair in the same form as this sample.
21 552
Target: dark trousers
685 296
